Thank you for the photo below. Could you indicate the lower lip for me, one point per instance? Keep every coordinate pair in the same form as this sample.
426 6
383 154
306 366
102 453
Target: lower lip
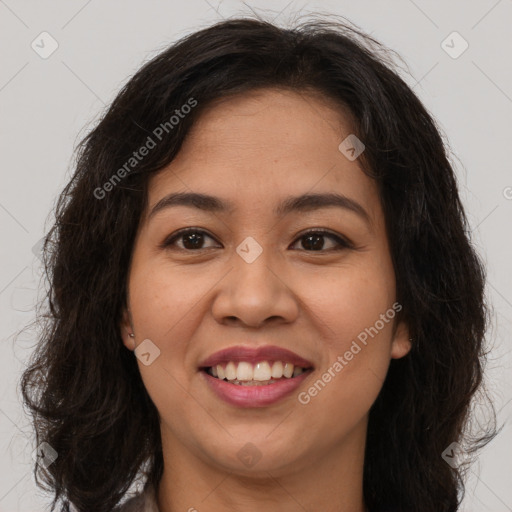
254 396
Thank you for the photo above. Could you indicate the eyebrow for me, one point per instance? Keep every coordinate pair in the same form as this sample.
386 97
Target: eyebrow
303 203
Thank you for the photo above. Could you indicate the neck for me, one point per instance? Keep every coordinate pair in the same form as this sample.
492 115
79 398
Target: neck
330 480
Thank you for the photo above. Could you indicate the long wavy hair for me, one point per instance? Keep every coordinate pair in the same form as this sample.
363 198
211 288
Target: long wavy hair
83 388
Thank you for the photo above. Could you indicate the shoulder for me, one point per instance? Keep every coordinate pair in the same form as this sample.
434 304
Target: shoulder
144 502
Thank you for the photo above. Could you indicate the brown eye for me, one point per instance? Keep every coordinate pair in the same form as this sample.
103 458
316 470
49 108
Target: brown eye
314 241
191 239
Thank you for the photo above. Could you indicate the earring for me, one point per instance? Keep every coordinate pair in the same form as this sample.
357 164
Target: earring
132 335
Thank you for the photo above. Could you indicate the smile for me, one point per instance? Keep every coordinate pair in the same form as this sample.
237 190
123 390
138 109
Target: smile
249 376
262 373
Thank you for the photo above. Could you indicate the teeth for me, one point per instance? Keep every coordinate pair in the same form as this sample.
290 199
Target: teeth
230 371
262 372
297 371
277 370
244 371
288 370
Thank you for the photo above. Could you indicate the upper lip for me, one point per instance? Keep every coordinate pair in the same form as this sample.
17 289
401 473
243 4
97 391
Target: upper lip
255 354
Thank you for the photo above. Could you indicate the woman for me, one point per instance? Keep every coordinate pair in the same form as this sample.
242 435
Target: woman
263 295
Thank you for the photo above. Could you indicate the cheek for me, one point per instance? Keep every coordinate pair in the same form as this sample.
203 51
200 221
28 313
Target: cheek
161 297
354 312
349 301
164 305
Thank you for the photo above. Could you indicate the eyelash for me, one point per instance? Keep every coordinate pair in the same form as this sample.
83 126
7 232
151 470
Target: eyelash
342 242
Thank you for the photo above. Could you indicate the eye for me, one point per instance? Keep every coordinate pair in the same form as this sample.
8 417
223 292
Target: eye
312 241
192 239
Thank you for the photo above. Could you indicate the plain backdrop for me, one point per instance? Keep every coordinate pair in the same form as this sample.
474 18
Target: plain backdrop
48 102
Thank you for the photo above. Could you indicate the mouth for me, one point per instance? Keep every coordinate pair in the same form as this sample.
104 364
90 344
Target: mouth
262 373
254 377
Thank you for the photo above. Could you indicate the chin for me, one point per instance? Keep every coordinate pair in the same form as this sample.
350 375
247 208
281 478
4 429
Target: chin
255 456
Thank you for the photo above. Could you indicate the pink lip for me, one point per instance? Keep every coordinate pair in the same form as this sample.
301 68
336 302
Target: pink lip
253 355
254 396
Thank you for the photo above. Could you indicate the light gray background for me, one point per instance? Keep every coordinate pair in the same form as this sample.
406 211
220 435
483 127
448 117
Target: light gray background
48 104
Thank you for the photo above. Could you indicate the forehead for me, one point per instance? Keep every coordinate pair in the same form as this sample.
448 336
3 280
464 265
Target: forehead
259 147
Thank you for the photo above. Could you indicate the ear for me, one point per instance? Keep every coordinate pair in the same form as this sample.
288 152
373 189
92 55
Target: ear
401 344
126 329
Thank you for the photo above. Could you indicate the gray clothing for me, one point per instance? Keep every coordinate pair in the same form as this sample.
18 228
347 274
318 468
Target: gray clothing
144 502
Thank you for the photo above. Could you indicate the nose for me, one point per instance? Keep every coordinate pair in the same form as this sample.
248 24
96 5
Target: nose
256 293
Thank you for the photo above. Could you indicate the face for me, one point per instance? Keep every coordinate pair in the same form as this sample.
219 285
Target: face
314 277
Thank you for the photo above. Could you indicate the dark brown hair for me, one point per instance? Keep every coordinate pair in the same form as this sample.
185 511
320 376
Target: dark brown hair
83 387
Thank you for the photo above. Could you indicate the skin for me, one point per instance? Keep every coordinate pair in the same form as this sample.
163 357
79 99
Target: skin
255 150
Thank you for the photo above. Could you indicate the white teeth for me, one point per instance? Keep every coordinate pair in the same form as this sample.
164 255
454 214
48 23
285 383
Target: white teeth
277 370
288 370
230 371
244 371
260 372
